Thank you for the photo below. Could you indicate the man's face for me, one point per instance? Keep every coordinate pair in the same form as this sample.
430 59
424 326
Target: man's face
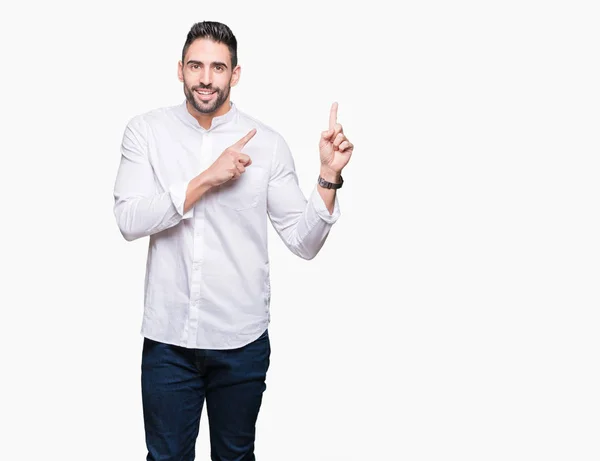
207 75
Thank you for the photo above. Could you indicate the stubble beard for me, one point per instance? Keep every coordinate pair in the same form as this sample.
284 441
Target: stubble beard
206 107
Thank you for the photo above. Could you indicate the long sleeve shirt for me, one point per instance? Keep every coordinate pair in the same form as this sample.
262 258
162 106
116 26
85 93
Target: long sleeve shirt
207 279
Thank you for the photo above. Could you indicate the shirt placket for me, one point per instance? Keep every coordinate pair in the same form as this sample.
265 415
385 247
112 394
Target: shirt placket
199 249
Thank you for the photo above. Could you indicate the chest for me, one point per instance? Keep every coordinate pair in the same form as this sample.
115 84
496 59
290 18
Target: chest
179 153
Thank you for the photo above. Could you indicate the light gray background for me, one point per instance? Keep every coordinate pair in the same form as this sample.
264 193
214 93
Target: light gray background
453 312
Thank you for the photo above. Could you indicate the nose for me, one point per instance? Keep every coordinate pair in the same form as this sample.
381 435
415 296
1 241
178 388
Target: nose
206 78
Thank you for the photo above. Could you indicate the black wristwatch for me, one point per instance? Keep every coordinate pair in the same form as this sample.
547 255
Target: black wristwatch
331 185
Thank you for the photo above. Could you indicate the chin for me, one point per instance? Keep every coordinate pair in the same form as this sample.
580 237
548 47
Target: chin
204 108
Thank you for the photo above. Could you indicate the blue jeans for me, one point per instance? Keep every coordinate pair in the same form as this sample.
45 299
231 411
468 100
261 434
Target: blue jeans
175 382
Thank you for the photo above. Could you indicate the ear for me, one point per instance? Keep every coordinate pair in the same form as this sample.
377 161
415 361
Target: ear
235 75
180 71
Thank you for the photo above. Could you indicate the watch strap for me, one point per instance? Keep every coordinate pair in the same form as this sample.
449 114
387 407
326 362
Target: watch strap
330 185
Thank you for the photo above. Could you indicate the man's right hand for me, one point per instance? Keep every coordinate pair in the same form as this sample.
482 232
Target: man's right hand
231 163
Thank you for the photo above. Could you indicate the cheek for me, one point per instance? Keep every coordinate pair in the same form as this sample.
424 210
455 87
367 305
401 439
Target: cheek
223 81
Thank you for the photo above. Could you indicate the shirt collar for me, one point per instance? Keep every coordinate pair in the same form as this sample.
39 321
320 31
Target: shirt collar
216 121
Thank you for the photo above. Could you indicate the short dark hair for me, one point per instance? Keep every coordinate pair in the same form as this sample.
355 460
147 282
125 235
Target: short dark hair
214 31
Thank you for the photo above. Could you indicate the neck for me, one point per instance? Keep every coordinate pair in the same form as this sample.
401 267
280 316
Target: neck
205 120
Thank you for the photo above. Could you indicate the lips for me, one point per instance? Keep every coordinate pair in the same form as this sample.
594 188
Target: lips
205 95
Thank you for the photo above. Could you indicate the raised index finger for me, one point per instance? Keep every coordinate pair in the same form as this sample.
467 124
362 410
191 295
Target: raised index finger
333 115
242 142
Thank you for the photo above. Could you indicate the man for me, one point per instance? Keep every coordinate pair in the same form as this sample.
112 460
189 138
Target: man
200 179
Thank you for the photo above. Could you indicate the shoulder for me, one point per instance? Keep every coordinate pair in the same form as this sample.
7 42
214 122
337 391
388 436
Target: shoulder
266 131
146 120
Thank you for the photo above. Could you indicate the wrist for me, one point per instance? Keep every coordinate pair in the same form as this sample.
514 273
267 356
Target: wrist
204 181
330 175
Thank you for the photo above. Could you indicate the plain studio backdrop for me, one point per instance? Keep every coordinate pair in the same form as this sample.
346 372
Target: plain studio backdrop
453 312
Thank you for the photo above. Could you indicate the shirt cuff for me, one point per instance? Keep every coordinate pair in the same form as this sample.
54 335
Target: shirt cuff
178 193
321 209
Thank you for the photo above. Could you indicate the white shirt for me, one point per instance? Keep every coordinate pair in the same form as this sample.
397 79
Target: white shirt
207 273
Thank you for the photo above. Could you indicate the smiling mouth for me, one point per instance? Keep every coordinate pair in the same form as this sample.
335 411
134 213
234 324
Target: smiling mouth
205 95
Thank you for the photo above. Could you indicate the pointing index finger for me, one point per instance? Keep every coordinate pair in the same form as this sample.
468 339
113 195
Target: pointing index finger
333 115
242 142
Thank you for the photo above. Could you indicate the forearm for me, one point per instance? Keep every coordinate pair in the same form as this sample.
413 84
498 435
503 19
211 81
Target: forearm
143 216
328 195
302 224
139 217
306 236
197 187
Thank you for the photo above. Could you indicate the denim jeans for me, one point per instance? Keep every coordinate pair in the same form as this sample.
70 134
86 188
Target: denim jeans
175 383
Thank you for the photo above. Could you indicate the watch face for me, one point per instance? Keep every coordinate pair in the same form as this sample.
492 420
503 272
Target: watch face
325 184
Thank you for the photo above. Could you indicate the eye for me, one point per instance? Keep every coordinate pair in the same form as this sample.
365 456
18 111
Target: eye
219 68
195 66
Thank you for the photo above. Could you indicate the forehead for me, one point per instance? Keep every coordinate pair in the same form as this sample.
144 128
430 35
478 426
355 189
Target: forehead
206 50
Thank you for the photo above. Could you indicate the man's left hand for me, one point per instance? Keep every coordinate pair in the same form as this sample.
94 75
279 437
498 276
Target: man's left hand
334 147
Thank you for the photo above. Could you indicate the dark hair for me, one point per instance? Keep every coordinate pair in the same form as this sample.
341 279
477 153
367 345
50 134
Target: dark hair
216 32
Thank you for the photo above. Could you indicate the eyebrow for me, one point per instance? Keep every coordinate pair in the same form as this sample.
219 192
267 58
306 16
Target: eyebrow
216 63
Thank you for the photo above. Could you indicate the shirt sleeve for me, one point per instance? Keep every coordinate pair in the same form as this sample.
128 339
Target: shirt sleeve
140 208
302 224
